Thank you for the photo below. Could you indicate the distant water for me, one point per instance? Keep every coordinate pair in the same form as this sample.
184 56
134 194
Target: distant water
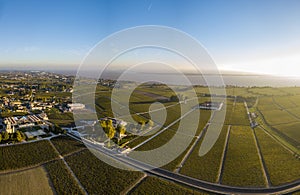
236 79
256 80
242 80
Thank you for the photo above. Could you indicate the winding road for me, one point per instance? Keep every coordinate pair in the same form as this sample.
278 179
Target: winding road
188 181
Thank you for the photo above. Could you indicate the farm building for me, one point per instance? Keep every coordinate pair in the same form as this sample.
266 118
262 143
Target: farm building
12 124
211 105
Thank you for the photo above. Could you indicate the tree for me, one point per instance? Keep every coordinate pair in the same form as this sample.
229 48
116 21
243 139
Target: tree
5 136
111 132
174 98
19 136
142 124
121 129
150 124
0 138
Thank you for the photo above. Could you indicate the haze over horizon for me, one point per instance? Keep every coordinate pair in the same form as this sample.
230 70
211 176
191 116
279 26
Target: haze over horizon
243 36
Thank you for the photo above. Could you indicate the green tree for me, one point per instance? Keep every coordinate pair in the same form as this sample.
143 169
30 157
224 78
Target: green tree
19 136
0 138
142 124
174 98
121 129
150 123
111 132
5 136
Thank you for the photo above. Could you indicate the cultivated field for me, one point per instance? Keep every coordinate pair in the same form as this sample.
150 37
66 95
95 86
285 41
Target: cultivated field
26 155
282 166
61 178
242 164
205 167
33 181
66 145
153 185
98 177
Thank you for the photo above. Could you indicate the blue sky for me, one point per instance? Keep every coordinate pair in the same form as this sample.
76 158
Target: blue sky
255 36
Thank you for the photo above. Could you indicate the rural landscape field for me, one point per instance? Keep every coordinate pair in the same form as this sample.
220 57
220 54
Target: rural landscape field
150 97
258 146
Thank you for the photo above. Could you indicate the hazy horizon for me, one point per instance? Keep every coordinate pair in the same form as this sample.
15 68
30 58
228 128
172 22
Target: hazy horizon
246 36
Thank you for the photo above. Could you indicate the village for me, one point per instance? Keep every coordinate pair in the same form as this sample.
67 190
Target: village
25 100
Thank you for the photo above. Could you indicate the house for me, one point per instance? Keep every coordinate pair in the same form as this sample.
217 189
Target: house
115 121
76 106
43 116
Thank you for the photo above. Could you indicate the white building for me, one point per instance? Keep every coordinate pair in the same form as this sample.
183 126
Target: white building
76 106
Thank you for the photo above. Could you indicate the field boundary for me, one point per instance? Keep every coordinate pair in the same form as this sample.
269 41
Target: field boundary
163 130
70 170
134 185
279 137
177 170
262 161
223 158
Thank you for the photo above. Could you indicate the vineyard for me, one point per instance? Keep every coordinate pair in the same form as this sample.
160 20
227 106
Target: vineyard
282 166
97 177
162 187
61 178
26 155
205 167
242 164
66 145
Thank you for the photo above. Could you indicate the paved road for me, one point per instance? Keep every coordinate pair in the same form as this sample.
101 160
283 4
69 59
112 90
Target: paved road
192 182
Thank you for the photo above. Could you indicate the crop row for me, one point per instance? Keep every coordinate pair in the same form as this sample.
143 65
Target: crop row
153 185
239 115
66 145
282 166
242 165
61 178
206 167
25 155
97 177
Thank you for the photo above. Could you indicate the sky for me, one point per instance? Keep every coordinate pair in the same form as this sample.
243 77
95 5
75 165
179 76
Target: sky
244 35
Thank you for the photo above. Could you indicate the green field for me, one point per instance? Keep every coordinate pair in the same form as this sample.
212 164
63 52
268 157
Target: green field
239 115
66 145
282 166
276 117
97 177
61 178
292 130
153 185
61 119
266 103
33 181
277 110
295 111
266 91
242 164
205 167
280 115
26 155
284 101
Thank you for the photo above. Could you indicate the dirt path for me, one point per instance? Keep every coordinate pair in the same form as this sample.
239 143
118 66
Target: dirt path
222 162
134 185
70 170
262 161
